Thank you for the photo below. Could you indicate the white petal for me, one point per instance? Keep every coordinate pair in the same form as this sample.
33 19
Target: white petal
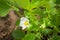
24 19
24 28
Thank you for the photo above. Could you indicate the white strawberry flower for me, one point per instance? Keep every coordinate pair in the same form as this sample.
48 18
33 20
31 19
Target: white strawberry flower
24 23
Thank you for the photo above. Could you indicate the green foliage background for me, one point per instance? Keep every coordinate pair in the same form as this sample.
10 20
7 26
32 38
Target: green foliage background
44 17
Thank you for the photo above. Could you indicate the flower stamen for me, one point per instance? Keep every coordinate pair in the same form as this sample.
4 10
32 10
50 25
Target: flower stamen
26 23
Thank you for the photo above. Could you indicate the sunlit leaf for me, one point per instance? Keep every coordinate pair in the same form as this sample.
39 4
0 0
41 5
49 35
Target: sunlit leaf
29 36
4 8
22 3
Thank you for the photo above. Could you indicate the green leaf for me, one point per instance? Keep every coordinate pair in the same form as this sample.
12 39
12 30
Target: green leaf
46 31
35 3
18 34
57 1
29 36
56 20
55 37
22 3
4 8
38 36
17 22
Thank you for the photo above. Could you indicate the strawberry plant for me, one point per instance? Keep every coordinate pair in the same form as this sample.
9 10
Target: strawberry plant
39 19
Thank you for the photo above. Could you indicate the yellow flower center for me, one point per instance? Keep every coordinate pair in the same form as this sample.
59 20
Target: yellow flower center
26 23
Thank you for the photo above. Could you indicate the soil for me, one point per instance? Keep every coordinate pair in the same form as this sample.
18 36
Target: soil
7 25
